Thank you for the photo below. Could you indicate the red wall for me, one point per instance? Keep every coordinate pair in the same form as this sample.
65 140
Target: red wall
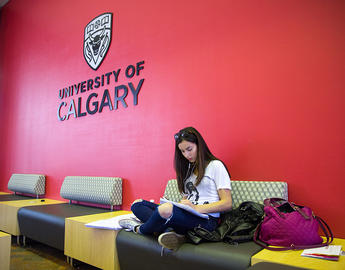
263 81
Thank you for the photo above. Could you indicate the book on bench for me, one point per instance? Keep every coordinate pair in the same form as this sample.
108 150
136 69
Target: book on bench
110 223
331 252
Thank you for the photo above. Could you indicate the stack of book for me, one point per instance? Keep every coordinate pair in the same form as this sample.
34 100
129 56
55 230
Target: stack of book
331 252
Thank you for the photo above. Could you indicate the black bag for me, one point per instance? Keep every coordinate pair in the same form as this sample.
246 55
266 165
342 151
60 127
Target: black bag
236 226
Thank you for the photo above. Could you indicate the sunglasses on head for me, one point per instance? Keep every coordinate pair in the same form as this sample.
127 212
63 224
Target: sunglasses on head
183 134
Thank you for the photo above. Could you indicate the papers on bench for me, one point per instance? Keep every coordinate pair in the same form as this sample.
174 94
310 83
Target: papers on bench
331 252
110 223
113 223
185 207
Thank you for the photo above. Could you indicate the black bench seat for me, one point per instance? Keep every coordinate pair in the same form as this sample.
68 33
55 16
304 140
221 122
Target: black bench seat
13 197
46 223
205 256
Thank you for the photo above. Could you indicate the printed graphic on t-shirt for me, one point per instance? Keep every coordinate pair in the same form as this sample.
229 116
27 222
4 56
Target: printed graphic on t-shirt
193 194
216 177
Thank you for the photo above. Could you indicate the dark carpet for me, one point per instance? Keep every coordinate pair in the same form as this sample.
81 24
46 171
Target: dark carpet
37 256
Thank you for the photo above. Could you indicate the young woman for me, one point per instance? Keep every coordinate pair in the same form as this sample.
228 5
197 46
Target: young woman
204 182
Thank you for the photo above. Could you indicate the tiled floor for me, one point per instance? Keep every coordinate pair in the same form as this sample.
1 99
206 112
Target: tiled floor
36 256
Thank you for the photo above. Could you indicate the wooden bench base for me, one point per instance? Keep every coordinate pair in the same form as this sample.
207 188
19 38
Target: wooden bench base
5 251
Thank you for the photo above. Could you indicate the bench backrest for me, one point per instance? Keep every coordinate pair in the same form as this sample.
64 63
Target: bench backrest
99 190
241 191
27 183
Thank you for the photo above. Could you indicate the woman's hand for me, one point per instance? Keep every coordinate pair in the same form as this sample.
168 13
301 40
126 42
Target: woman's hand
188 202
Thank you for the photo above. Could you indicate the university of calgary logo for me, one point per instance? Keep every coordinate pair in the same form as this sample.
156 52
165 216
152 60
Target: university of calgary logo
97 38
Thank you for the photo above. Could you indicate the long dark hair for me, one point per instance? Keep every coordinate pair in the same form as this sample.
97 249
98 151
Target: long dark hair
182 165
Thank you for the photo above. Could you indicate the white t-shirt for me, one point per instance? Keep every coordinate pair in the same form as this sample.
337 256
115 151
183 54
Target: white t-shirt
216 177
